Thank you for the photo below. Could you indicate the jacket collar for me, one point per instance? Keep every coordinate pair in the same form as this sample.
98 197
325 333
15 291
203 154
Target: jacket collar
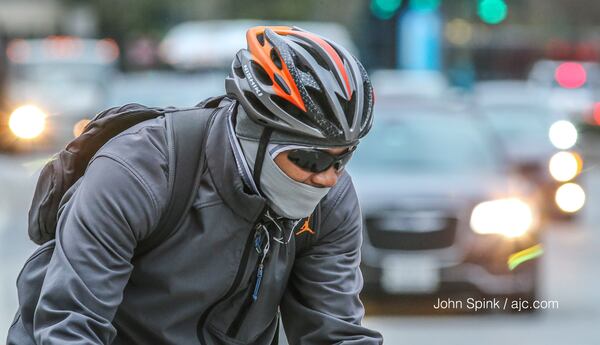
223 169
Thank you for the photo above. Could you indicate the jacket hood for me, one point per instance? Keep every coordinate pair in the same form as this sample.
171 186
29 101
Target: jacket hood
227 181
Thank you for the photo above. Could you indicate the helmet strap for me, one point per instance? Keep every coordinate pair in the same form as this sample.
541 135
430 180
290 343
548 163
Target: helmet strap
260 155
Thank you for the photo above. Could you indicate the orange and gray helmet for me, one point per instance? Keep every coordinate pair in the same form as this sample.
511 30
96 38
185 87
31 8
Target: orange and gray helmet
295 81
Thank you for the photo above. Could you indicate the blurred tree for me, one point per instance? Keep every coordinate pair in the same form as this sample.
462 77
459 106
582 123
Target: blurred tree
130 20
120 18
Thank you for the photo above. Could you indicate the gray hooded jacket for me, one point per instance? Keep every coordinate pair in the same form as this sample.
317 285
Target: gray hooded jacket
194 287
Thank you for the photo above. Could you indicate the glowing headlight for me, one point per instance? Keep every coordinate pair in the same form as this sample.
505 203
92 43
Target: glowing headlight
27 122
510 217
563 134
564 166
570 197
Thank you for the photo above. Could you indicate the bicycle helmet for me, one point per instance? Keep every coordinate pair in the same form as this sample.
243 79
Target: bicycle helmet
304 87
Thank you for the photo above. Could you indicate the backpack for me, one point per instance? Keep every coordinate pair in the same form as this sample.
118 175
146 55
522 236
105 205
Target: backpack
58 181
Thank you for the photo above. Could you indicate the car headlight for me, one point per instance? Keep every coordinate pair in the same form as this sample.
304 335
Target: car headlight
510 217
563 135
564 166
570 197
27 122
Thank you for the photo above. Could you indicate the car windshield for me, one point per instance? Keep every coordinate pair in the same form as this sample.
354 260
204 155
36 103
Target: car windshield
426 143
519 123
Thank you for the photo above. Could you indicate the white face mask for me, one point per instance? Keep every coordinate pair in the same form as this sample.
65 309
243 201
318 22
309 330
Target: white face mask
287 197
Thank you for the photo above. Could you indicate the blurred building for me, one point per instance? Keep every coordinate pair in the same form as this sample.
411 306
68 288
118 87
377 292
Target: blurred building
36 18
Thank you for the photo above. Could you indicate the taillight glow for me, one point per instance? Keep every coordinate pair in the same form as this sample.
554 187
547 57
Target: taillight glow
108 49
596 113
570 75
18 51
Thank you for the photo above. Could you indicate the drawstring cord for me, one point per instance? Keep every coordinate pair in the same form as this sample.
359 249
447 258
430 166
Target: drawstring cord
281 232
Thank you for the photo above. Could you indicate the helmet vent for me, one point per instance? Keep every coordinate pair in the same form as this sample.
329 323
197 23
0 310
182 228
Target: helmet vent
300 65
261 39
238 72
316 55
287 107
348 107
258 106
282 84
260 74
320 100
275 58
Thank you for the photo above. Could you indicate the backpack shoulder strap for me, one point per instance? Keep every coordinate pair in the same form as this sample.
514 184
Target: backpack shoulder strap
188 130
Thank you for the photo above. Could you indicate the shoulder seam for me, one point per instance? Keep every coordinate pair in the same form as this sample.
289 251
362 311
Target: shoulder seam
134 173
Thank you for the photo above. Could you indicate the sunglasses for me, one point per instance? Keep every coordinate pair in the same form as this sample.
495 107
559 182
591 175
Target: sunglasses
317 161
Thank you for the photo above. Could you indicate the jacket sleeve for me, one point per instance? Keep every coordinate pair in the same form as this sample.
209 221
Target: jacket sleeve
321 304
112 209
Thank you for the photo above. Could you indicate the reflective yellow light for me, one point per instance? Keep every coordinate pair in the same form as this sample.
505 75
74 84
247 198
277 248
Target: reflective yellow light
510 217
27 122
524 255
79 127
564 166
570 197
563 134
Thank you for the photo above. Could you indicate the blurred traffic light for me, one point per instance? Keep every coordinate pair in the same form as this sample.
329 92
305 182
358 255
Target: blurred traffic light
385 9
424 5
492 11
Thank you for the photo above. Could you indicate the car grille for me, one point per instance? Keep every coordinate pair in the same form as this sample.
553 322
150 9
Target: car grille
411 232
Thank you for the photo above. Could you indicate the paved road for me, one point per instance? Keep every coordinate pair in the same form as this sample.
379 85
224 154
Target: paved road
570 276
17 180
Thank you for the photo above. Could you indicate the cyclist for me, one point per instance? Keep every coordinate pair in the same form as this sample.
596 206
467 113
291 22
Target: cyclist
252 246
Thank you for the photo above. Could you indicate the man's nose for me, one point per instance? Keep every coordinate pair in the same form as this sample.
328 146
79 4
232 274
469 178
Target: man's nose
324 179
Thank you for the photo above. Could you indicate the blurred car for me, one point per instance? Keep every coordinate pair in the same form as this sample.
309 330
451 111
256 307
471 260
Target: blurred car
185 45
165 88
420 83
538 141
441 213
571 87
52 85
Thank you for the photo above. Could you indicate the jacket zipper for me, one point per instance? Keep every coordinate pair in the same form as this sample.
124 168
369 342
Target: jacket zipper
253 291
236 281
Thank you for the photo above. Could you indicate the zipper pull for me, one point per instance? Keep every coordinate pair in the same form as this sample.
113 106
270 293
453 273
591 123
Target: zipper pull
258 241
261 268
259 275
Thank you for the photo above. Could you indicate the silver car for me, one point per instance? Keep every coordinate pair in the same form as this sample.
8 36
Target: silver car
441 212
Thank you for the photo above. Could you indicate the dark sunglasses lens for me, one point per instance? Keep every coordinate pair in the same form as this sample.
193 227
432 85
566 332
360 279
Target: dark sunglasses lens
311 160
